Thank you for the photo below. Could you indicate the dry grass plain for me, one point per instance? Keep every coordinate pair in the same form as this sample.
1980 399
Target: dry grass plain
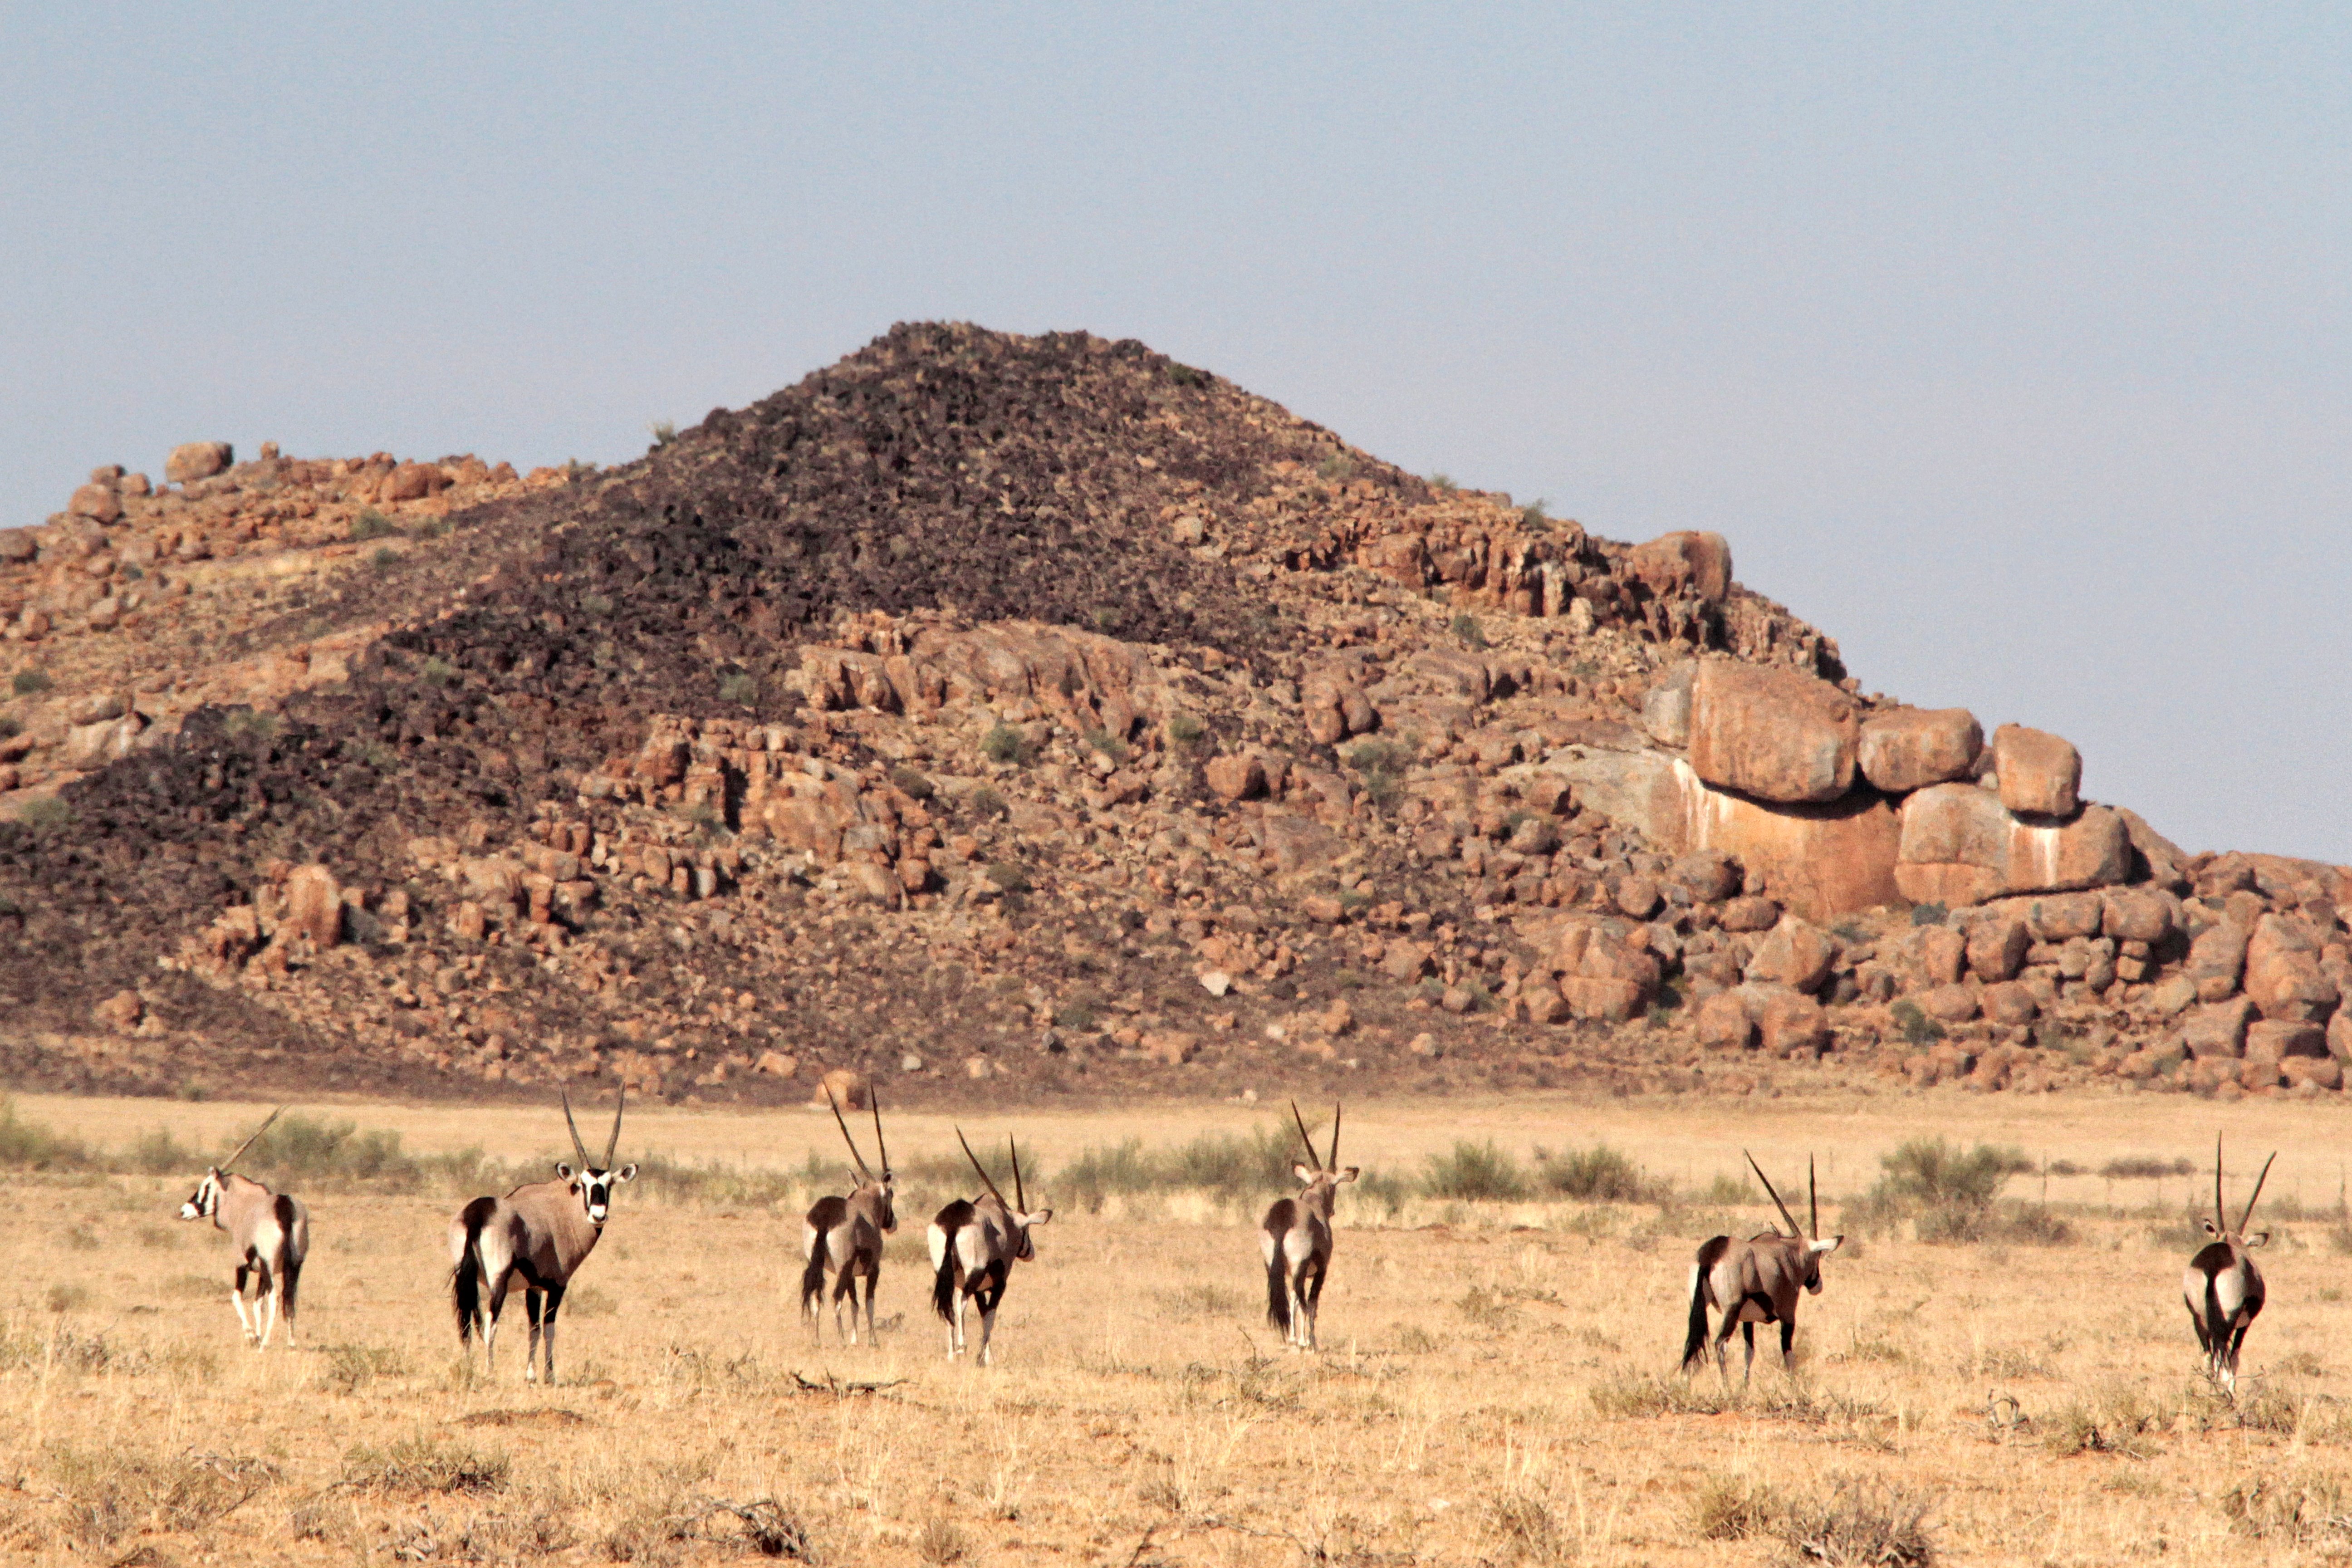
1498 1381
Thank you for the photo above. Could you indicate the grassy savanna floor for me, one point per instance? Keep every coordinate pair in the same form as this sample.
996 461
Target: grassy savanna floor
1496 1384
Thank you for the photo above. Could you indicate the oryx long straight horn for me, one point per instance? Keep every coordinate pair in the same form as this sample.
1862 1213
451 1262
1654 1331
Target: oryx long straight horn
974 1242
540 1233
270 1234
2223 1288
845 1234
1295 1238
1756 1282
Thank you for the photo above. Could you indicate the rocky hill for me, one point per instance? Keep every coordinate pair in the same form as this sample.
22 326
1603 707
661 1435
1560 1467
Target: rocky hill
996 716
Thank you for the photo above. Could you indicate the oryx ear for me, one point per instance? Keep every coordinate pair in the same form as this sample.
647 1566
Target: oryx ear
2209 1226
1304 1171
2258 1238
1349 1174
1824 1248
627 1173
1040 1218
563 1170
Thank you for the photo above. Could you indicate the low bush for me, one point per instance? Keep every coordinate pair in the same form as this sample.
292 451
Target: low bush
1473 1173
1599 1174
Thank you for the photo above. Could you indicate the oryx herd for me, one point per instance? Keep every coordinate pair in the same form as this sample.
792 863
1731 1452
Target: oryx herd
542 1231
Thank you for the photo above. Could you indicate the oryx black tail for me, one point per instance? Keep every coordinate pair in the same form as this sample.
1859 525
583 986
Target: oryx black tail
1709 1255
466 1279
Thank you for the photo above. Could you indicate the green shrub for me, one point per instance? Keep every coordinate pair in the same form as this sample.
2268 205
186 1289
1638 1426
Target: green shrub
384 558
1185 375
595 604
1533 517
986 802
1003 744
911 784
1599 1174
664 431
439 671
1467 628
1109 744
1918 1028
372 524
1009 877
1473 1173
1927 1171
1928 914
738 686
30 683
1443 484
44 813
1337 469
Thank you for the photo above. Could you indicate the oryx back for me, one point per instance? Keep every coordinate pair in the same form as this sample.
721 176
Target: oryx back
269 1236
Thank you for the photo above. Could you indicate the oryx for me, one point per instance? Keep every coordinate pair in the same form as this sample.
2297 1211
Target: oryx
542 1231
1756 1282
974 1246
271 1233
2222 1286
845 1234
1296 1238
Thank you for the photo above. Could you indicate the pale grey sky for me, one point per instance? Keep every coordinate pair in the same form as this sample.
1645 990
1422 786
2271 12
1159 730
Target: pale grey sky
2009 345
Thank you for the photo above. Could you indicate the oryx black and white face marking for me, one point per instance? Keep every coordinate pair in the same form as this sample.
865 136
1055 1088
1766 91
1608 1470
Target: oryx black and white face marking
204 1202
595 1188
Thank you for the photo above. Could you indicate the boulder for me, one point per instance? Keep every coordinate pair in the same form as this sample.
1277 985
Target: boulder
1942 951
1996 947
18 545
1236 777
2339 1035
1606 1001
2040 774
1752 913
844 1086
2284 977
2008 1004
1913 747
1638 896
1540 1003
197 460
1960 845
2064 916
1685 562
99 503
2219 960
1794 954
2218 1029
1724 1024
413 481
1791 1023
2160 860
1709 876
1667 708
1949 1004
314 906
2321 1072
1772 732
2139 914
2273 1041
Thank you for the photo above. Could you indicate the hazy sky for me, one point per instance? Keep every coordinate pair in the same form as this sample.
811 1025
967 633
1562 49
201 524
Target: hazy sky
2011 345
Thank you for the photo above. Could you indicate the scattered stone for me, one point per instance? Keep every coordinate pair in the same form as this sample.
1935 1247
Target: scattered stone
1913 747
2040 773
197 460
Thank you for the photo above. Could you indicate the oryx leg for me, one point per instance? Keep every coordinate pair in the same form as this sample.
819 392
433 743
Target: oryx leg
264 1304
289 1284
1723 1342
955 1329
236 1300
1315 1303
533 1303
987 1300
1748 1373
547 1329
1788 1341
872 1283
494 1303
845 1285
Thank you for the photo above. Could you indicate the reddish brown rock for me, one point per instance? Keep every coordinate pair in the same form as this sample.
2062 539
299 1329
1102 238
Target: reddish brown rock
1710 875
1949 1004
1791 1023
2040 774
1793 954
314 906
1942 952
1236 777
2321 1072
1772 732
844 1086
413 481
98 502
1913 747
1749 914
2218 1029
2340 1034
1683 561
1540 1004
1638 897
2283 976
1723 1024
197 460
2008 1004
2139 914
1606 1001
1997 947
1405 961
1958 839
2271 1040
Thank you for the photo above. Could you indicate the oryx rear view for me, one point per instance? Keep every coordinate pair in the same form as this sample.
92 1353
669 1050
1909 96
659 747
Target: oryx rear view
271 1232
2221 1285
845 1234
974 1245
1756 1282
540 1233
1295 1238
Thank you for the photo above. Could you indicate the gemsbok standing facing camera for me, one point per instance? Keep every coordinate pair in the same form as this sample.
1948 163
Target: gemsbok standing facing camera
541 1233
845 1234
1756 1282
1296 1238
271 1234
974 1246
2222 1286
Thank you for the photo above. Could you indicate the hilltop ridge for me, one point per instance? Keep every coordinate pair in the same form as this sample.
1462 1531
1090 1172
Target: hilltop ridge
1000 715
